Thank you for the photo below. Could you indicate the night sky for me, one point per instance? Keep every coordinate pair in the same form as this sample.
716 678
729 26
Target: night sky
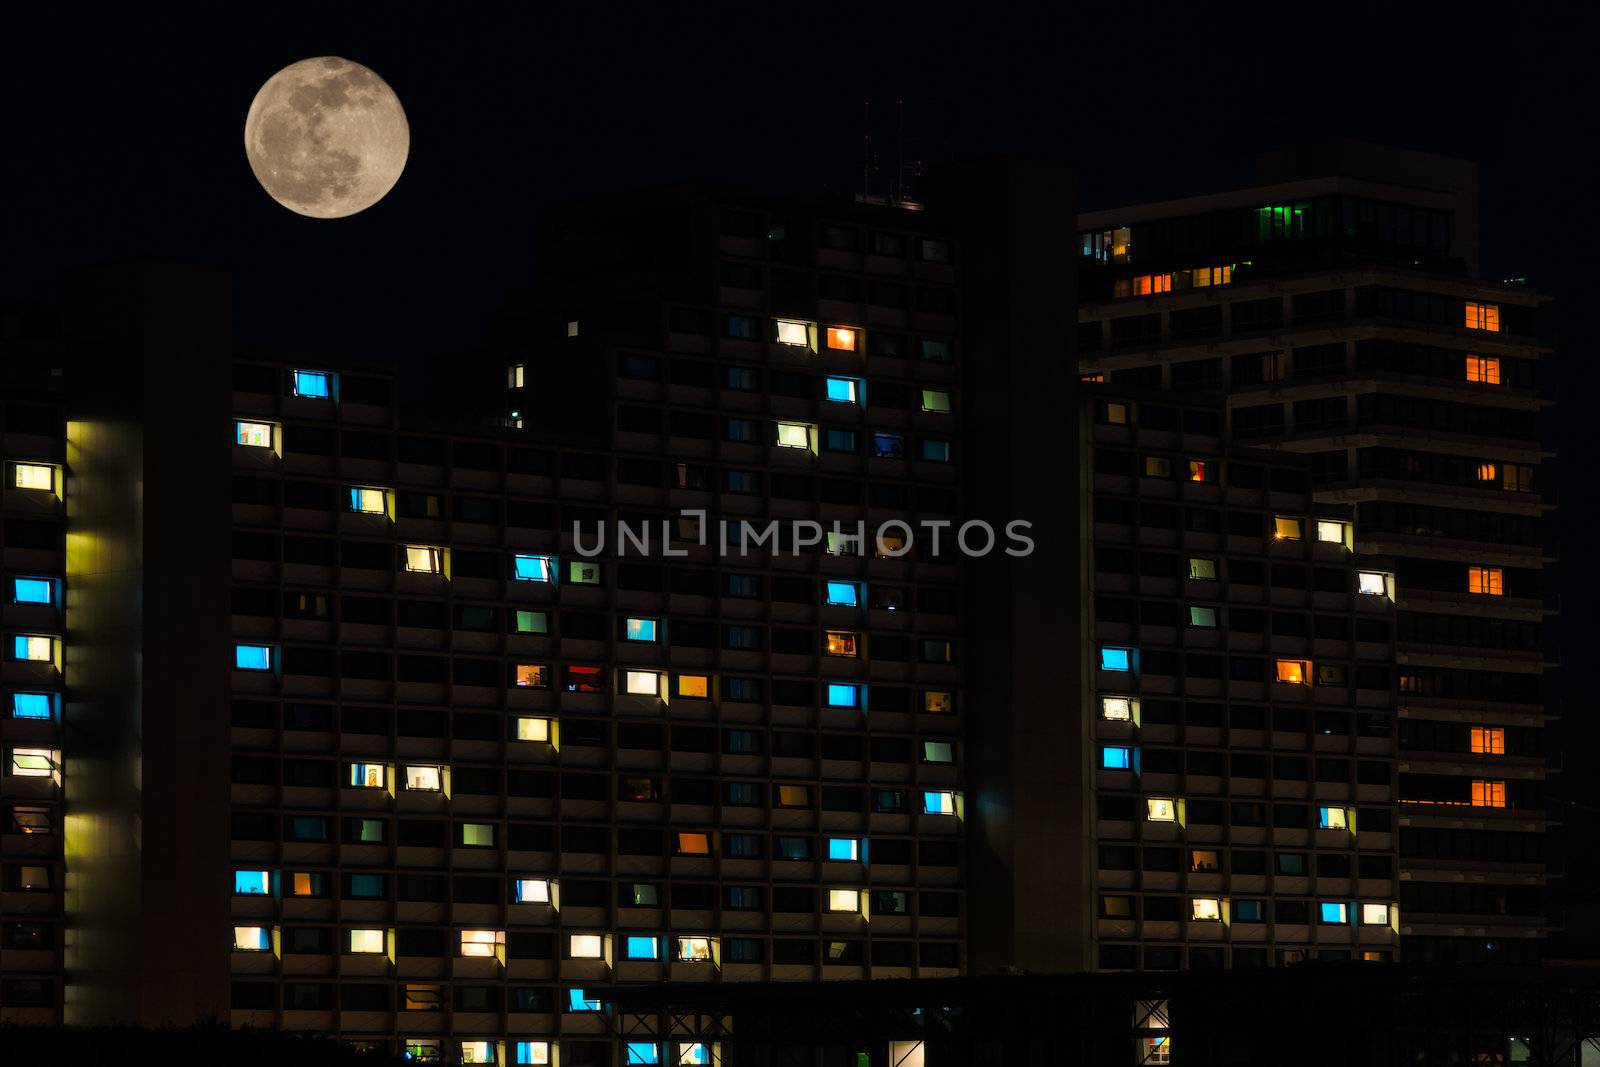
122 137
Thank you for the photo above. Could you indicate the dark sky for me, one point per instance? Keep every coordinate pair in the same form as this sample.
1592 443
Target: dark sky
122 136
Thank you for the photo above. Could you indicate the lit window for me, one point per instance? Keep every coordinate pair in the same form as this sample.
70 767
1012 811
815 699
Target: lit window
1116 709
842 594
577 1000
423 779
844 900
938 802
308 884
847 849
1116 659
482 943
533 676
1204 859
1294 671
32 591
531 728
252 434
1285 528
1161 809
1330 532
842 338
33 647
1157 467
642 683
581 573
1201 471
1485 369
1333 819
366 941
477 1052
367 501
423 1049
1117 414
938 752
639 947
1374 915
26 819
1203 617
252 657
694 949
1116 758
32 705
251 939
34 476
586 947
1488 740
639 630
1204 570
936 400
516 376
422 559
1488 794
313 383
1334 912
1116 907
477 835
840 643
535 568
691 844
843 696
794 796
251 883
530 890
532 622
643 1052
794 435
695 686
1372 583
1482 317
842 390
367 775
1205 909
694 1054
937 701
1489 581
793 332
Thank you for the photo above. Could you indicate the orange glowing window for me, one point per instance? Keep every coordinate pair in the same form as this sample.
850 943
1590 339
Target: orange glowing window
1488 472
1485 369
842 338
1200 471
1294 671
1488 794
841 643
1483 317
533 675
1097 377
1488 581
302 884
694 845
693 685
1489 740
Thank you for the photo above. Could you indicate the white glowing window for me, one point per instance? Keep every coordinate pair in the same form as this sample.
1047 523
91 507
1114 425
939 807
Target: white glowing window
33 762
366 775
643 683
423 559
366 942
1374 915
251 939
1116 709
694 949
1206 909
1331 532
1161 809
477 1052
34 476
1373 583
533 729
423 779
844 900
34 647
252 434
794 435
481 943
531 890
794 332
367 501
586 946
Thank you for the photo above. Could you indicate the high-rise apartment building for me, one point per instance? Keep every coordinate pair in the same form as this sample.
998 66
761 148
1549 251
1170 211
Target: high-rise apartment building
1338 309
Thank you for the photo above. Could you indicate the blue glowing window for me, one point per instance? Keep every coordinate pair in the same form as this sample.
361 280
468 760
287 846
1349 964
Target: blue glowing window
888 446
642 948
1247 911
252 657
1333 911
843 390
935 450
1116 758
844 594
641 629
313 383
32 706
251 883
1116 659
843 696
844 848
33 591
644 1052
577 1000
535 568
938 803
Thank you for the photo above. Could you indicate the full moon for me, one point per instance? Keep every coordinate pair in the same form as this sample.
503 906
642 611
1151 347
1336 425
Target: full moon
326 137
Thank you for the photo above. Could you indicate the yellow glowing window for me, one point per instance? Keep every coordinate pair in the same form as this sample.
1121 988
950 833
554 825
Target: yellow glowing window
251 939
1485 369
481 943
366 941
793 796
642 683
793 332
477 834
842 338
1489 740
516 376
533 675
1116 907
33 647
1204 859
367 501
694 949
477 1052
1286 529
936 400
420 997
1488 794
1199 471
253 434
1116 709
1206 909
366 775
531 890
889 545
1488 581
794 435
1294 671
1333 819
1330 532
1117 414
33 762
844 900
937 701
1374 915
586 947
424 779
841 643
1161 809
1203 570
1483 317
422 559
34 476
1157 467
533 729
694 844
693 685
